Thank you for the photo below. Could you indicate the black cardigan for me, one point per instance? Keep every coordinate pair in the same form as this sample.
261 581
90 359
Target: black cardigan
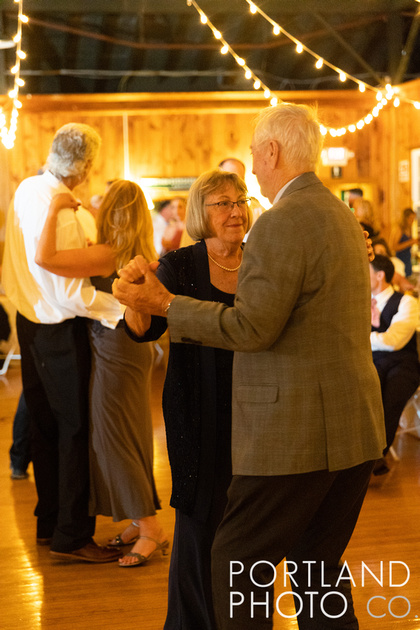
189 394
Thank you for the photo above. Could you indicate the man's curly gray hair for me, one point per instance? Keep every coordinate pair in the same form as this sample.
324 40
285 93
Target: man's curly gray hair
73 147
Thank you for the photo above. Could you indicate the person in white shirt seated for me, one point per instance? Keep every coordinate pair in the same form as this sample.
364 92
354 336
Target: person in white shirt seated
399 281
394 346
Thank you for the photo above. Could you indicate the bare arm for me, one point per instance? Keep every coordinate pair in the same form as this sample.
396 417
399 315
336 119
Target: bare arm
395 245
97 260
138 322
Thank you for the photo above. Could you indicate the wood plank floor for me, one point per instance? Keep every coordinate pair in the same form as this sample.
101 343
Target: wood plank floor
39 593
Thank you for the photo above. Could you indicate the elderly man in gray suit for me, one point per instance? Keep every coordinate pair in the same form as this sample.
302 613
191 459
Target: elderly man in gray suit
307 412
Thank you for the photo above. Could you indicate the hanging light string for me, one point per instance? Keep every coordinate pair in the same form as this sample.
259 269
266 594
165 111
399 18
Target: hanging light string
320 61
225 48
383 96
8 134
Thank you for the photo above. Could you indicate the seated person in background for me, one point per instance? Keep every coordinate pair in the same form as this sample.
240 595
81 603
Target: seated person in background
364 213
394 346
399 281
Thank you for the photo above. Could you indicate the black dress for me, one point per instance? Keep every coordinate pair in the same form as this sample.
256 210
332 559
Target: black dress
197 413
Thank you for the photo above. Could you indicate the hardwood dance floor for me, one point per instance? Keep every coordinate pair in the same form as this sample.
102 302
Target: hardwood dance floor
39 593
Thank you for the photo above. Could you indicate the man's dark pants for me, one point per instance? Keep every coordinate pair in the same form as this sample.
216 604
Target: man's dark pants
307 518
55 376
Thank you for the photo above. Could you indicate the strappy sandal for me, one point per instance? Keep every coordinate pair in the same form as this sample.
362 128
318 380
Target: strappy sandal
119 541
140 559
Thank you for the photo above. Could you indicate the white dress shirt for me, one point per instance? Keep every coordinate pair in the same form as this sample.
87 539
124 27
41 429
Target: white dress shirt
37 294
403 324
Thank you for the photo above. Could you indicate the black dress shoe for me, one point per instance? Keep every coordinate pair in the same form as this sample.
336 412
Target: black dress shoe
18 475
380 467
89 553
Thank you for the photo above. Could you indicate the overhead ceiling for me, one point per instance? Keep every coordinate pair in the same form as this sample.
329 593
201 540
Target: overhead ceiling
89 46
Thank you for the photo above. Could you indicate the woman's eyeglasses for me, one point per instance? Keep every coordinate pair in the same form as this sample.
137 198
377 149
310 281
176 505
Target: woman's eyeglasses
227 206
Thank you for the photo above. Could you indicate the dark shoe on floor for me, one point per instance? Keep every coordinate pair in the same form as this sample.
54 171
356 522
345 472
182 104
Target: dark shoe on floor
380 467
18 474
89 553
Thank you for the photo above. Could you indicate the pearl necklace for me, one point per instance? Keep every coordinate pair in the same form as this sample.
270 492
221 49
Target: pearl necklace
221 266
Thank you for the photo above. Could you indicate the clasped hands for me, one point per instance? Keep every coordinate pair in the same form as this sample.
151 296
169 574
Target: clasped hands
138 288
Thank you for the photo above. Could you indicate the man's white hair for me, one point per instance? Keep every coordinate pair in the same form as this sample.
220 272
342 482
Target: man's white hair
297 131
73 147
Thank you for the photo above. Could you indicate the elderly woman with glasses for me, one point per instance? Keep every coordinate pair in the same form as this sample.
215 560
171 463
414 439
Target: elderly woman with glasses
197 391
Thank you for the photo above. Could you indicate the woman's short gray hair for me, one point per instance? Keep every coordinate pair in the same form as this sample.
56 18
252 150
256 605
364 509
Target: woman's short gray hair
197 221
73 147
296 129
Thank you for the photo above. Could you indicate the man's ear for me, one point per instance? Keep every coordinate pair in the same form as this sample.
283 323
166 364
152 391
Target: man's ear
273 153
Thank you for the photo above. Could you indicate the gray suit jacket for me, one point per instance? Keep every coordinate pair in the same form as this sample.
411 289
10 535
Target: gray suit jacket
306 394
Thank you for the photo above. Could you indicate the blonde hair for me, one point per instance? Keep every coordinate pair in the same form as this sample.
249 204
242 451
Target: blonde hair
197 221
124 221
296 129
363 210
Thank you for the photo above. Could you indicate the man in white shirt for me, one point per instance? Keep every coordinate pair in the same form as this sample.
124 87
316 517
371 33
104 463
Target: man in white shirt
394 346
51 326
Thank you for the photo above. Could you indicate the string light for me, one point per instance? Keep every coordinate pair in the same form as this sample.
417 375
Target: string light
8 134
343 76
226 48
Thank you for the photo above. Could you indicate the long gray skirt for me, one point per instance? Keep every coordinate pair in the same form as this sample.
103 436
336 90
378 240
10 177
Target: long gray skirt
121 432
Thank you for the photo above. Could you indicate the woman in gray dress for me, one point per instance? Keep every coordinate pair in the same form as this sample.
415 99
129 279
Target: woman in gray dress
121 435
